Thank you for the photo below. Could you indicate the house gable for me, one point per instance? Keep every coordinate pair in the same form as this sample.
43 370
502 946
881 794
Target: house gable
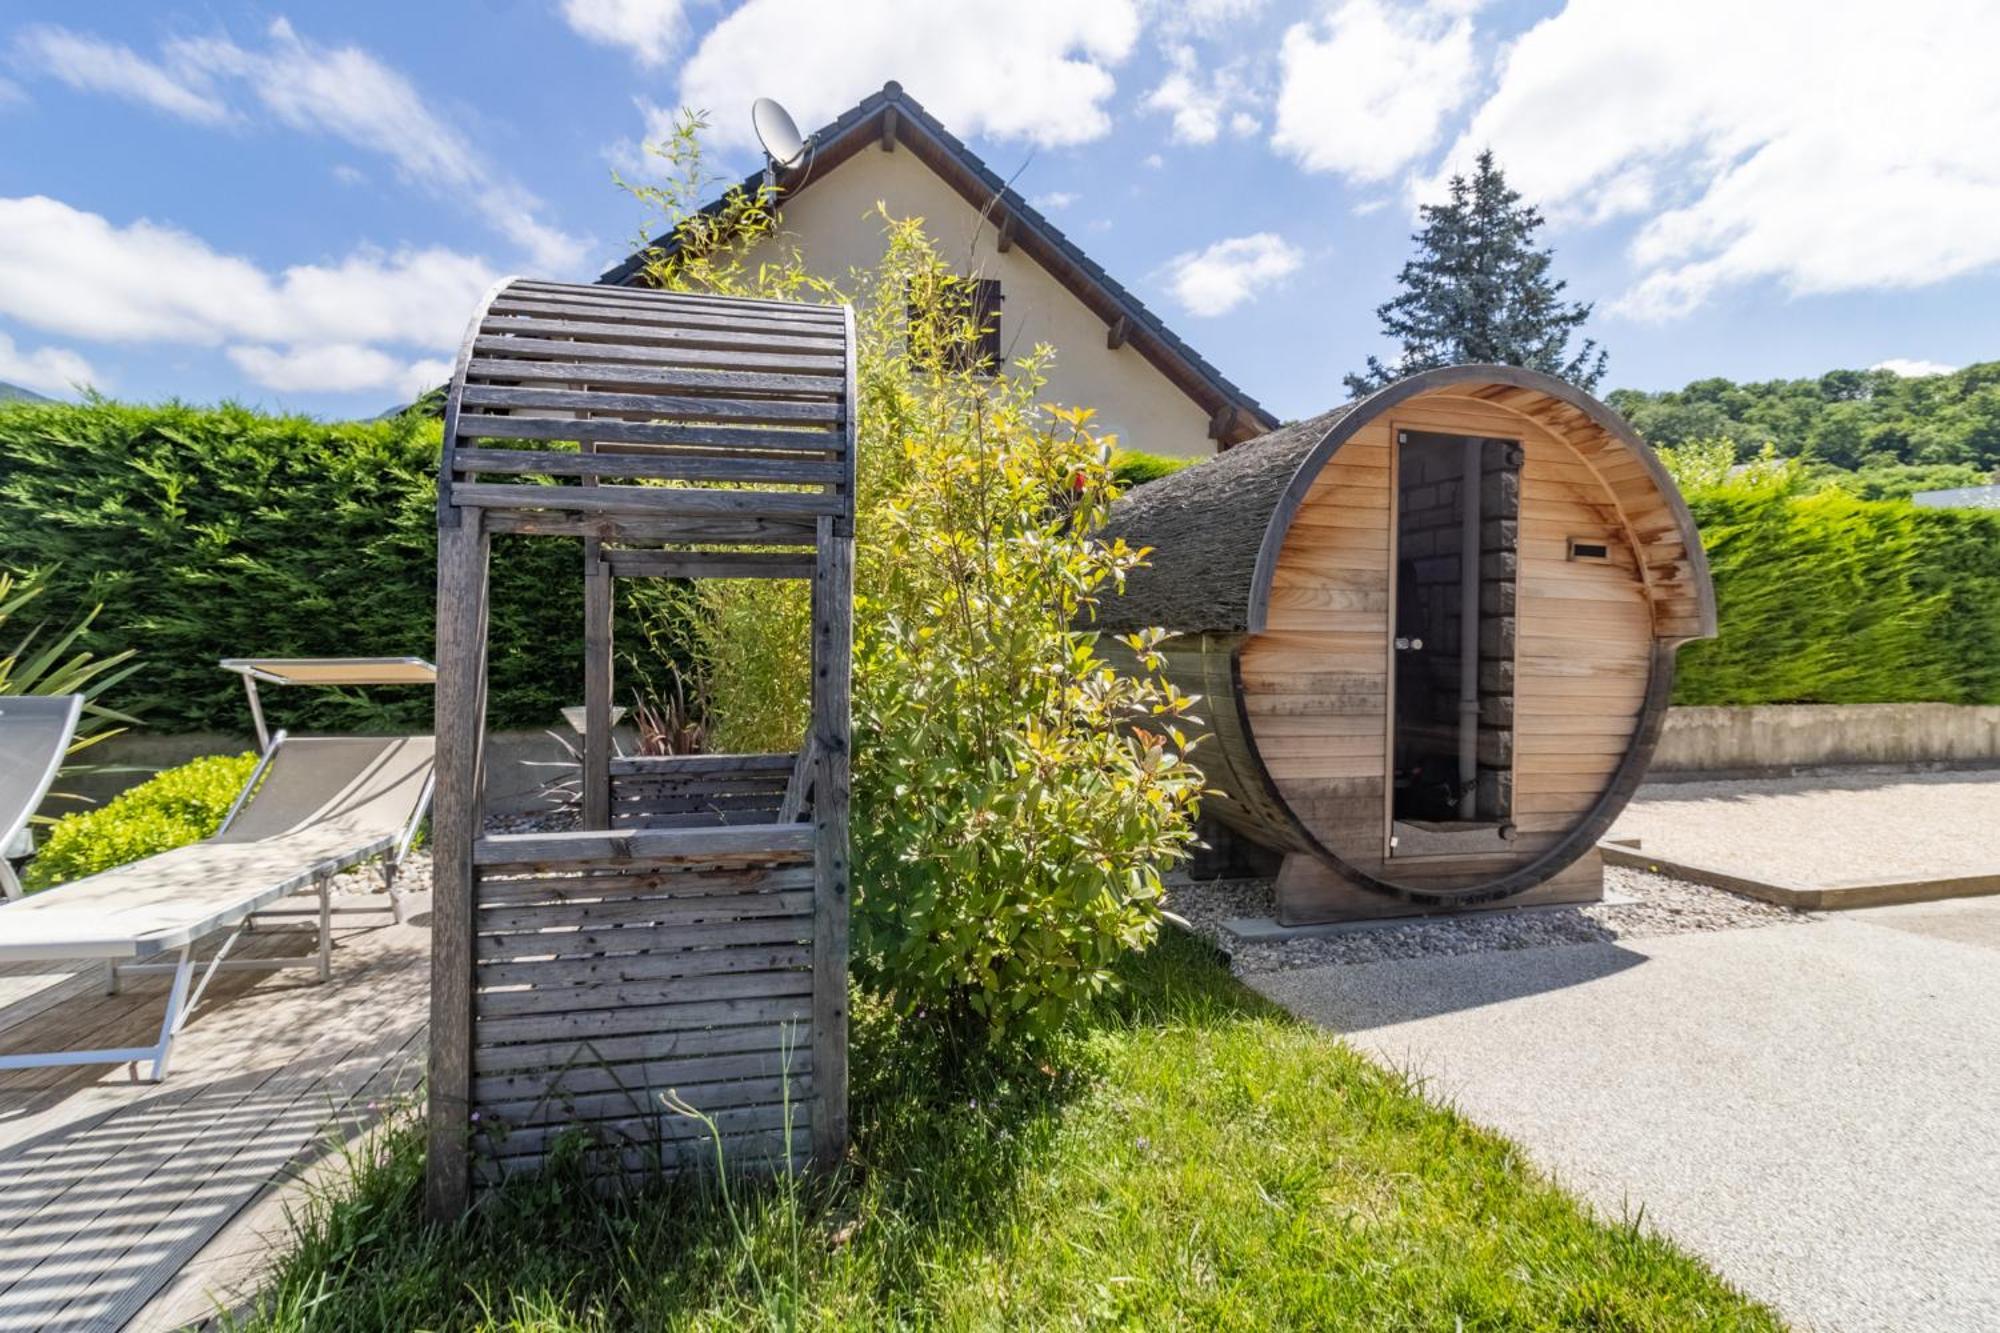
1113 353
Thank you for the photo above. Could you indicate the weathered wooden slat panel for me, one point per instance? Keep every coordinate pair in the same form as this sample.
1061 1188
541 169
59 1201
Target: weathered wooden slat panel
681 407
754 314
556 1057
716 564
528 1085
644 501
662 317
771 843
522 348
559 892
598 970
631 335
663 1127
699 764
651 466
634 1102
693 819
679 798
631 927
640 1019
619 1170
680 990
608 375
638 293
810 440
747 529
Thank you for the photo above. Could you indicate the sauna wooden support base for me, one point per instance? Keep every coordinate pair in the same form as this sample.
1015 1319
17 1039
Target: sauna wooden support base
1310 892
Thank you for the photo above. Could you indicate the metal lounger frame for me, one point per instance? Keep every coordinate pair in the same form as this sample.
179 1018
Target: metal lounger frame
181 1001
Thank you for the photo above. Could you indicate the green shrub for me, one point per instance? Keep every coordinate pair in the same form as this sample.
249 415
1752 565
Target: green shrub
224 532
1130 467
44 663
1016 797
173 808
1826 598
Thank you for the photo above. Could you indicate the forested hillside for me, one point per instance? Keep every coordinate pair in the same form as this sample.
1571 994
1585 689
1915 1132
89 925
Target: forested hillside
1899 434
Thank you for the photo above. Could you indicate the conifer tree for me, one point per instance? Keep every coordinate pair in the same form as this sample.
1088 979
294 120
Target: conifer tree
1478 290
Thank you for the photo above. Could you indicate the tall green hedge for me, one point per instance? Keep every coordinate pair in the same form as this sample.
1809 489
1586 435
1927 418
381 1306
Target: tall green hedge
226 532
1826 598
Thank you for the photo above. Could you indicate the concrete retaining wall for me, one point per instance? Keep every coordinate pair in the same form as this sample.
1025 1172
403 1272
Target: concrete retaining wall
511 779
1779 737
1704 742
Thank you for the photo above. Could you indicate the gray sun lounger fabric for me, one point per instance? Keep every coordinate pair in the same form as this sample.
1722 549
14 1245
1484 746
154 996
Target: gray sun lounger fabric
35 732
323 804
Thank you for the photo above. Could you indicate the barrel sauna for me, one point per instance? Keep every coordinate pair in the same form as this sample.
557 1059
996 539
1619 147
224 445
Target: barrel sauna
1435 629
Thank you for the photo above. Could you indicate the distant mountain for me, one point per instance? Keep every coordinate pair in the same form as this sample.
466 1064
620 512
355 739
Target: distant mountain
14 393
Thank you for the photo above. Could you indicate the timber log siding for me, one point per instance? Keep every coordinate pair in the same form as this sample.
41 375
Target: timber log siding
1274 568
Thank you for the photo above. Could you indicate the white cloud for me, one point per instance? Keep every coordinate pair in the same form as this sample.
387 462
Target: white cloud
343 92
1365 89
105 67
631 158
1200 105
77 274
51 370
1200 17
338 368
1911 369
1153 161
1053 200
650 29
1039 70
1827 147
348 174
11 93
1228 273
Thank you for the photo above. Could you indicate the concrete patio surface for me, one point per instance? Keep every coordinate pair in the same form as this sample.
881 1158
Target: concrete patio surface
1824 830
1815 1110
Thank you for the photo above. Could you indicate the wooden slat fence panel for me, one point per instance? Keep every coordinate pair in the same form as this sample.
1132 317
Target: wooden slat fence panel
691 936
596 992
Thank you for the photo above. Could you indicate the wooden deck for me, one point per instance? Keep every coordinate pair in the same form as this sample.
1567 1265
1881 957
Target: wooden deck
133 1205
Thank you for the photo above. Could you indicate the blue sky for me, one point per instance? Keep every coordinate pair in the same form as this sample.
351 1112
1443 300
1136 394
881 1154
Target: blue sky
254 201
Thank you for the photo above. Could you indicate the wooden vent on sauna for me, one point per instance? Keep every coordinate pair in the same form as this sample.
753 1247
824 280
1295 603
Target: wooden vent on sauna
1581 548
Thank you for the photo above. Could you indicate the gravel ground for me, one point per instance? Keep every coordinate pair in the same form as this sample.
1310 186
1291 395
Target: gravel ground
1660 906
1820 831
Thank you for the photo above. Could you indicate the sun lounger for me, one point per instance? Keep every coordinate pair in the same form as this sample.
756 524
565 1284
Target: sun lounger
314 807
35 732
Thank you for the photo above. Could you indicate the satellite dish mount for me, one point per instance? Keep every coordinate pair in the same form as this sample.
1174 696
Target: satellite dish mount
784 147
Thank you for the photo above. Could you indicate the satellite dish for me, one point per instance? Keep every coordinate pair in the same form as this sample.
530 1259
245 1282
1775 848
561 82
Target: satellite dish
778 132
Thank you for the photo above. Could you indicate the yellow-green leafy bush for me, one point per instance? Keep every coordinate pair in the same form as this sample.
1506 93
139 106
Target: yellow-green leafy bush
171 809
1016 795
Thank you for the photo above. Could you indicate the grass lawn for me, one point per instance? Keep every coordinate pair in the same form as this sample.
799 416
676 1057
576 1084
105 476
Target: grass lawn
1200 1161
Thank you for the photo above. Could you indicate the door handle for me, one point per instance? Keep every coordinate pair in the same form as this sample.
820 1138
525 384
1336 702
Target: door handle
1404 645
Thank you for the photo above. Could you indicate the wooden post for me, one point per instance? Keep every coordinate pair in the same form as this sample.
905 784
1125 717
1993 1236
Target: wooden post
596 686
832 671
455 822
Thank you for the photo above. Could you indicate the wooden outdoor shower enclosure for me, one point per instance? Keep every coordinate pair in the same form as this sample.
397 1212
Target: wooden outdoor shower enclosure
1435 630
691 936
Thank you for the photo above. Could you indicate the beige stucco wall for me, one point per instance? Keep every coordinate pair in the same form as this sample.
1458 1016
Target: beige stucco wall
836 229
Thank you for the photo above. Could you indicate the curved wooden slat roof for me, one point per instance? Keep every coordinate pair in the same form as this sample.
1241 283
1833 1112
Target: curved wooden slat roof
728 397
